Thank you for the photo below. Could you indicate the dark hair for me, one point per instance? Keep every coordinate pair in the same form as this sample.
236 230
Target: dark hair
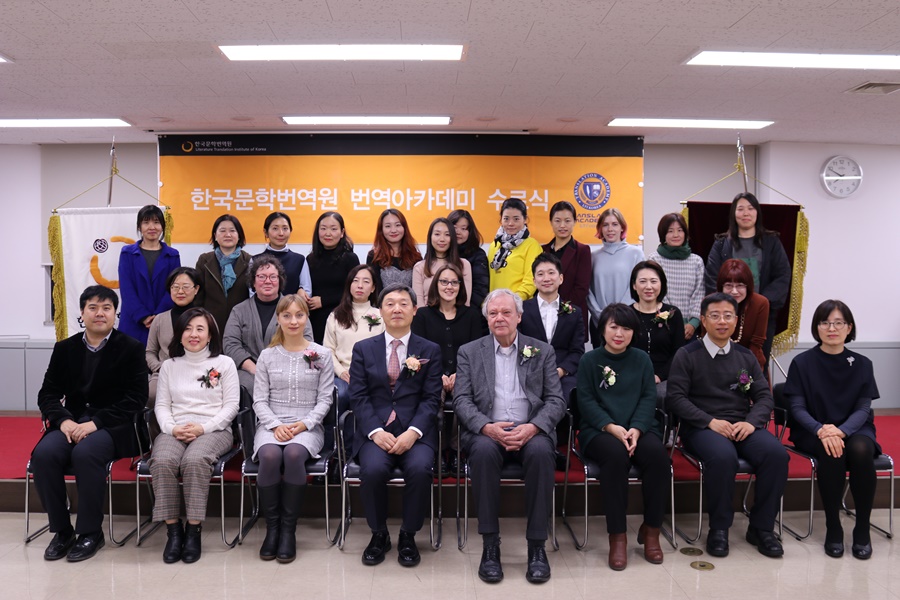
397 287
733 232
734 269
242 241
561 206
475 240
283 304
667 220
266 260
381 249
515 204
620 314
434 296
653 266
716 297
452 256
345 244
546 257
215 337
151 212
343 314
614 212
101 292
271 219
825 309
192 273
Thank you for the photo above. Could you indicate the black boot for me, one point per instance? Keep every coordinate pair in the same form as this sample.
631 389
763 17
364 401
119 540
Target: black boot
270 503
174 543
191 552
291 497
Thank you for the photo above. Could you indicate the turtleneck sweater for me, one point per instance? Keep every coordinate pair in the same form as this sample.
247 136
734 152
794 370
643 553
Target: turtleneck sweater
340 340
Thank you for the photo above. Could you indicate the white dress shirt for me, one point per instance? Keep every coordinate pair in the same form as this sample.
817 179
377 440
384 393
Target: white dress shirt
549 315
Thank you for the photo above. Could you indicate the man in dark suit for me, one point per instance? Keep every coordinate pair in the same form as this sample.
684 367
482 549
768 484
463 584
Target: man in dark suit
94 386
395 388
508 401
550 318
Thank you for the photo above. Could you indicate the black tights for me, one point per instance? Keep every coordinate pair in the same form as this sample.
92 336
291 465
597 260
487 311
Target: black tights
273 458
858 460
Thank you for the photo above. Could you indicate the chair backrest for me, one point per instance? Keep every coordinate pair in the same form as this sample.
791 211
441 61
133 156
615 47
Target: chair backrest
245 422
329 423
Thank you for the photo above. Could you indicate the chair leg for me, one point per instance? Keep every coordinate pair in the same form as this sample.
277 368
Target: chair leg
669 534
809 524
109 493
28 535
462 529
889 532
140 536
244 529
580 545
345 511
695 538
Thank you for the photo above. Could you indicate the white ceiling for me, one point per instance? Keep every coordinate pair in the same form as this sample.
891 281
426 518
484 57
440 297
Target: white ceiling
529 64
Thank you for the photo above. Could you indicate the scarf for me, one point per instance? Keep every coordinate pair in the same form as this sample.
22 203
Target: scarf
508 243
674 252
226 263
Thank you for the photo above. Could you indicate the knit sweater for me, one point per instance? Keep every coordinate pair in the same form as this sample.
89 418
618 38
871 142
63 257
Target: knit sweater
684 280
182 397
340 340
516 275
329 273
629 402
611 275
699 387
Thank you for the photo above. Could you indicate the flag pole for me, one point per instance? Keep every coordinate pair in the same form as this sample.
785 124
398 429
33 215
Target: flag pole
113 170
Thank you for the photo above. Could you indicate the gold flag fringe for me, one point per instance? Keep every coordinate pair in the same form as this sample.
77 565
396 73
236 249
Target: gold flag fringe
786 340
54 240
170 225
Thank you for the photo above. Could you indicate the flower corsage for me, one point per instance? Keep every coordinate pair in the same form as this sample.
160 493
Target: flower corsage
527 353
566 308
662 318
312 359
412 365
372 320
609 378
211 379
744 381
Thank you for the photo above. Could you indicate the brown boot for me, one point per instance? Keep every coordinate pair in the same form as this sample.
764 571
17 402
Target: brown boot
649 537
618 551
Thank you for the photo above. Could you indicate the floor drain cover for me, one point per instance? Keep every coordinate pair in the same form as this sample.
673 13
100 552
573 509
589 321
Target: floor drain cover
691 551
702 565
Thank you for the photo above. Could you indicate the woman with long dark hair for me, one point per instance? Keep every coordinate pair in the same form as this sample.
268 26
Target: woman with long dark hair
469 240
441 250
330 262
223 272
394 253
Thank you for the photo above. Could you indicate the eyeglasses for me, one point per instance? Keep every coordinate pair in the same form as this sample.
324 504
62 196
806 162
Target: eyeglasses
734 287
182 288
449 283
838 325
727 317
262 278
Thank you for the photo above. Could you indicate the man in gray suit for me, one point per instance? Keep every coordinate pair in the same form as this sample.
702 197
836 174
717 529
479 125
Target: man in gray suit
508 401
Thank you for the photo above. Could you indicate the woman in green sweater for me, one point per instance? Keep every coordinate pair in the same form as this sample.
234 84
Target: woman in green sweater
617 428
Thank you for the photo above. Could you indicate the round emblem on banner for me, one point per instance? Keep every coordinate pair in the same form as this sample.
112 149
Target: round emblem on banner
101 245
187 146
592 191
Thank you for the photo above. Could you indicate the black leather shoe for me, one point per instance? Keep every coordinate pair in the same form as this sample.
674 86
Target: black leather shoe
717 542
174 542
765 541
86 547
60 545
861 551
834 549
192 547
490 570
538 565
378 546
407 551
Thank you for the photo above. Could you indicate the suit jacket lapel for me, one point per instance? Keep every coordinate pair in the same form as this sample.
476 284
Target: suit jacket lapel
411 349
522 365
567 257
535 320
487 355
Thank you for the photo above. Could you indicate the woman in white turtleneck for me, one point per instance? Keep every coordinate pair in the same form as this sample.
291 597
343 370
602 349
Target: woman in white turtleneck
197 398
355 319
611 267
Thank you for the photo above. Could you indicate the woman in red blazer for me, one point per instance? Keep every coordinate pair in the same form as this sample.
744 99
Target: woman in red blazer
575 257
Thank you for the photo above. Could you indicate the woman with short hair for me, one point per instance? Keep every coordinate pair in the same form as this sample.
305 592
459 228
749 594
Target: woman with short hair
513 251
684 270
223 272
736 280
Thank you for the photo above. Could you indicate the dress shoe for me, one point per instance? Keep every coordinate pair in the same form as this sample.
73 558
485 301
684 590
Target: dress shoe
765 541
174 542
191 552
60 545
717 542
538 565
834 549
618 551
86 546
490 570
649 537
861 551
378 546
407 551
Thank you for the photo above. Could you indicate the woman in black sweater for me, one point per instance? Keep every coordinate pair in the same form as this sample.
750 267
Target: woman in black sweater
330 262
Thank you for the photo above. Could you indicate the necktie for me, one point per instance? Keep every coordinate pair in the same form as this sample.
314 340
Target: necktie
393 373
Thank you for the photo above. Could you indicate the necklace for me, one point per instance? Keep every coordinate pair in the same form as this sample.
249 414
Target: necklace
741 330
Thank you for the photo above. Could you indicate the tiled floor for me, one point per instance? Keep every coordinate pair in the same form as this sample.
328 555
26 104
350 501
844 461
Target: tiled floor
321 571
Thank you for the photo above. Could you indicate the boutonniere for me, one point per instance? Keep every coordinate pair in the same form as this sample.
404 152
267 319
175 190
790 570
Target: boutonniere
566 308
527 353
211 379
413 364
662 317
609 378
312 359
744 381
850 360
372 320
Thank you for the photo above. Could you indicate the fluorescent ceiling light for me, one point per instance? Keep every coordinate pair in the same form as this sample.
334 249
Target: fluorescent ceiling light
689 123
398 120
796 60
345 52
63 123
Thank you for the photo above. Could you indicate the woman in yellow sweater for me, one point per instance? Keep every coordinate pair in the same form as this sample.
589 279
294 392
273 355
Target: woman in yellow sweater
513 251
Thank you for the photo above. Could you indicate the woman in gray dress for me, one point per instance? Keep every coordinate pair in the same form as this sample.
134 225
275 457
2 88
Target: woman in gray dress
291 396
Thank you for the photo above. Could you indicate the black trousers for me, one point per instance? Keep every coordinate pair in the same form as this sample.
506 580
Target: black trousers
375 467
53 457
720 457
486 460
651 460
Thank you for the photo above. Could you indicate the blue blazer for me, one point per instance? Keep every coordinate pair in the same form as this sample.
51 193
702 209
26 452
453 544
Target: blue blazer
142 296
416 398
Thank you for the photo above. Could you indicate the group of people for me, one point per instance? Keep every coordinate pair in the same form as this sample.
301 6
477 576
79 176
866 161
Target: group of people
499 337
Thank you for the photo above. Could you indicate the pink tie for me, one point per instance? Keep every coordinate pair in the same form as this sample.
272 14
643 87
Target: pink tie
393 373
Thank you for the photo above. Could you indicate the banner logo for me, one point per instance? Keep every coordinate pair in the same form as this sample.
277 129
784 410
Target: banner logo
592 191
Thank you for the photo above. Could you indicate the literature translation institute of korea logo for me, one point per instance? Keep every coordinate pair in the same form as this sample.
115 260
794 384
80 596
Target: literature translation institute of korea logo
592 191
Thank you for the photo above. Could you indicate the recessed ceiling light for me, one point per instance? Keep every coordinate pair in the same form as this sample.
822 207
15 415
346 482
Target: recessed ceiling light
63 123
398 120
797 60
345 52
689 123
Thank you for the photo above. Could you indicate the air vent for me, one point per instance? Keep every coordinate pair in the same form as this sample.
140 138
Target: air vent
873 87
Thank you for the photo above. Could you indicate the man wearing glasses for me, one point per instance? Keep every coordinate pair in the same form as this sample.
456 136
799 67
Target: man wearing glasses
718 391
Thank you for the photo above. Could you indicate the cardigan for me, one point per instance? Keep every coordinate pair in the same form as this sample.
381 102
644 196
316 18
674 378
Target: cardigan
211 295
328 273
516 275
576 270
143 295
431 324
182 396
684 280
660 339
422 283
341 340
